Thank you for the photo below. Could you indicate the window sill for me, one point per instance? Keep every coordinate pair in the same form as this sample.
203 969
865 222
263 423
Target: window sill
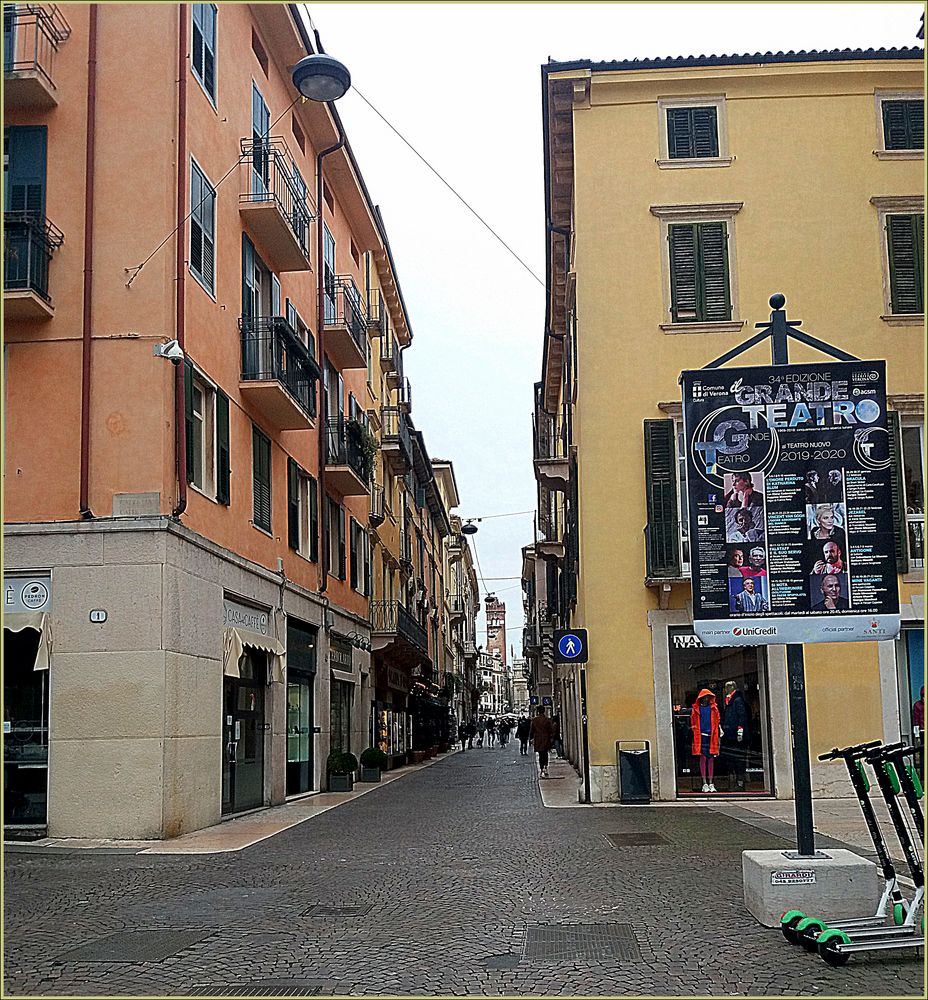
199 280
263 531
914 576
718 326
904 319
708 161
899 154
203 493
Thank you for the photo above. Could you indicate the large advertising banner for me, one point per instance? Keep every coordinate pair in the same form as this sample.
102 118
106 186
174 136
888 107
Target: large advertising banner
789 483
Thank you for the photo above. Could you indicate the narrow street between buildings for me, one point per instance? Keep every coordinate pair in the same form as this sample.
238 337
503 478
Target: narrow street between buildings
454 880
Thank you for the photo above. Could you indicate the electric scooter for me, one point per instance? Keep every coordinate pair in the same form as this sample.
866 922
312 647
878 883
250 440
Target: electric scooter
908 779
794 923
836 944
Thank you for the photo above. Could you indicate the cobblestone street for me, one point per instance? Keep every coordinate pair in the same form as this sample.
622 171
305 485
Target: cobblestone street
454 880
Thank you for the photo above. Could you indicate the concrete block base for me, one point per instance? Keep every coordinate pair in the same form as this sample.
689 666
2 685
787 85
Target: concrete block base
841 884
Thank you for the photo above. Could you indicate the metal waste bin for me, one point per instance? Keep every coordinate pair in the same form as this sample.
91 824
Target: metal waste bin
633 766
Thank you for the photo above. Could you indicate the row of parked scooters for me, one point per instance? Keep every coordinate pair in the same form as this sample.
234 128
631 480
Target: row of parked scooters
898 922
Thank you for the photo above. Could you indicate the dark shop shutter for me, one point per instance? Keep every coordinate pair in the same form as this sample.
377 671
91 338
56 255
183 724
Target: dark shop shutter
261 450
705 132
25 174
713 254
905 237
662 534
293 504
223 465
313 519
188 417
900 528
683 273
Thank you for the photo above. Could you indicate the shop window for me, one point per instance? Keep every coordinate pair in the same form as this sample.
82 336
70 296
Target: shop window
25 731
914 486
340 715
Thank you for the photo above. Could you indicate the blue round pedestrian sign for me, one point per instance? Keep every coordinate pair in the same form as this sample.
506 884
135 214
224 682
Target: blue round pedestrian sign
570 645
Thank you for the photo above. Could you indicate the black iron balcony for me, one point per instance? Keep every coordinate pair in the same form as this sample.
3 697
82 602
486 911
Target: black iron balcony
405 548
457 606
29 242
32 35
551 451
274 204
531 644
349 457
395 440
455 546
345 323
395 372
389 353
404 395
394 627
278 373
376 513
549 544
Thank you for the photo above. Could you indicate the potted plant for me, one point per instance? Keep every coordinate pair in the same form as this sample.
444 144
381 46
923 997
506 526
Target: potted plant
341 767
373 761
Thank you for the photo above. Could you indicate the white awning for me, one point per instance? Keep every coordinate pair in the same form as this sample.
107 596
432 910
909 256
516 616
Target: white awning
17 621
236 640
344 675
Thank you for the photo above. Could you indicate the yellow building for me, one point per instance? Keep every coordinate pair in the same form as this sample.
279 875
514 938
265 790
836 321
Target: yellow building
679 195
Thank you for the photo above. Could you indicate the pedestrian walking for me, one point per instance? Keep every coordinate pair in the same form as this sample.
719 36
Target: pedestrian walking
522 731
481 731
491 732
471 733
463 733
541 732
556 736
504 728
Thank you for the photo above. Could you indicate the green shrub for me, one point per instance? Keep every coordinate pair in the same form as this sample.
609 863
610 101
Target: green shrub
374 757
341 762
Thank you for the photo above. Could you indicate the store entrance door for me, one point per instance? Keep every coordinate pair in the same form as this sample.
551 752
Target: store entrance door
25 731
243 732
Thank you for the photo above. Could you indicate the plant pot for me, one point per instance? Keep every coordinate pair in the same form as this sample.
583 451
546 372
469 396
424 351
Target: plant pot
341 782
417 756
370 773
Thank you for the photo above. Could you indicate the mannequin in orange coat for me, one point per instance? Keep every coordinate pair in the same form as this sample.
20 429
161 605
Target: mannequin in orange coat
704 721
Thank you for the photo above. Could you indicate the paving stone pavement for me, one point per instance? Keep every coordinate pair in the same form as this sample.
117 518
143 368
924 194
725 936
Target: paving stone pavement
455 881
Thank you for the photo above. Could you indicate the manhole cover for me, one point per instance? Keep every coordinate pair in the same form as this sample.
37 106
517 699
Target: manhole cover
569 942
643 838
134 946
266 988
324 910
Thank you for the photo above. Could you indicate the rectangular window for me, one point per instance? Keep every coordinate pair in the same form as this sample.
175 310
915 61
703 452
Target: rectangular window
261 479
336 539
355 541
905 242
302 515
692 133
328 271
203 56
340 715
699 273
259 51
913 472
202 228
207 434
297 134
903 124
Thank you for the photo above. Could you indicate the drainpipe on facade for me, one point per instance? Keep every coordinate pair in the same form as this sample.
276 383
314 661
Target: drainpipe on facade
180 414
320 336
85 510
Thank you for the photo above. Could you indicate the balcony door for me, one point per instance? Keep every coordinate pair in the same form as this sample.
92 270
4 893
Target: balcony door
257 303
260 156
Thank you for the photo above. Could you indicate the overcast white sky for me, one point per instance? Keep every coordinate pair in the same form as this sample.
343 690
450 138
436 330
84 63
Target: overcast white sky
462 82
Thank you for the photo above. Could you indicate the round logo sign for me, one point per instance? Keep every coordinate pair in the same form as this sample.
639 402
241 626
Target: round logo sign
570 645
35 595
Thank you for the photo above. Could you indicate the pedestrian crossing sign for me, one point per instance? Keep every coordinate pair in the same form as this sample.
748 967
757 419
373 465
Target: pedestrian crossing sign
570 645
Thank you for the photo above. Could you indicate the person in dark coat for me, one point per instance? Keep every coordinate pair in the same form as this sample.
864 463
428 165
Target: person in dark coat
463 734
736 723
541 732
522 730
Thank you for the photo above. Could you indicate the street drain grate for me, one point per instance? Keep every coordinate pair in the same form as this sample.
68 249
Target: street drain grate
507 961
572 942
278 987
324 910
134 946
643 838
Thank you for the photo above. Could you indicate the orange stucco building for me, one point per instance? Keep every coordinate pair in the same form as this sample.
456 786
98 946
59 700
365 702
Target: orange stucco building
211 496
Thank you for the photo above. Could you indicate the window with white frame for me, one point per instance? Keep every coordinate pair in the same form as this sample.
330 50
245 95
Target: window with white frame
203 48
693 132
914 485
901 125
902 233
202 228
202 449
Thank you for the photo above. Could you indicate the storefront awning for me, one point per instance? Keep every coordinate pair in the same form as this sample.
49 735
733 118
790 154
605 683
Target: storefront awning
17 621
236 640
344 675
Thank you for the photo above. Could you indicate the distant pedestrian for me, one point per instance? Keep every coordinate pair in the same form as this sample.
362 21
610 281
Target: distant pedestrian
504 728
556 736
471 733
481 731
463 733
491 732
522 731
541 732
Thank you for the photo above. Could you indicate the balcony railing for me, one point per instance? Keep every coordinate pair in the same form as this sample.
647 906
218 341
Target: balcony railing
345 446
391 617
376 512
405 548
29 242
457 606
271 351
32 35
389 353
395 439
278 202
344 314
404 395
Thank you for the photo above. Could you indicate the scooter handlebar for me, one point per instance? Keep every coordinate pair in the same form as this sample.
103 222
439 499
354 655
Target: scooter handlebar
853 751
894 750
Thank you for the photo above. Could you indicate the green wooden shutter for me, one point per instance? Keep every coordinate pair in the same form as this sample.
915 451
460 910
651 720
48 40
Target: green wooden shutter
261 479
209 48
683 273
196 228
903 124
679 133
341 542
715 299
223 464
355 554
900 527
188 417
293 504
705 132
313 519
662 534
26 149
905 238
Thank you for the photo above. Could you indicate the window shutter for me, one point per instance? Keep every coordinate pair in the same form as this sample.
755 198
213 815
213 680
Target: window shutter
916 116
248 271
25 175
713 259
197 50
223 465
207 217
341 542
293 504
900 527
313 519
705 131
903 124
355 554
683 273
662 534
188 417
209 49
905 235
261 450
275 295
196 229
679 133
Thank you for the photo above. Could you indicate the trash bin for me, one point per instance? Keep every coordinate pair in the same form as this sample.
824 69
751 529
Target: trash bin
633 766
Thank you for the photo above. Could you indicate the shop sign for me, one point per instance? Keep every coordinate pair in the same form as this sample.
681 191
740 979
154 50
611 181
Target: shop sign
237 615
686 640
789 483
397 679
340 654
793 876
27 593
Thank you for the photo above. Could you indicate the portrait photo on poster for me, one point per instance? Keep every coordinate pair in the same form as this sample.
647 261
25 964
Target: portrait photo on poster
743 489
749 595
829 592
744 524
825 557
824 485
826 521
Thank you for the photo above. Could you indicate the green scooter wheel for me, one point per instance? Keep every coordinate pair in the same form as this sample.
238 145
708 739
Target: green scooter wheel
827 941
808 930
899 913
788 925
